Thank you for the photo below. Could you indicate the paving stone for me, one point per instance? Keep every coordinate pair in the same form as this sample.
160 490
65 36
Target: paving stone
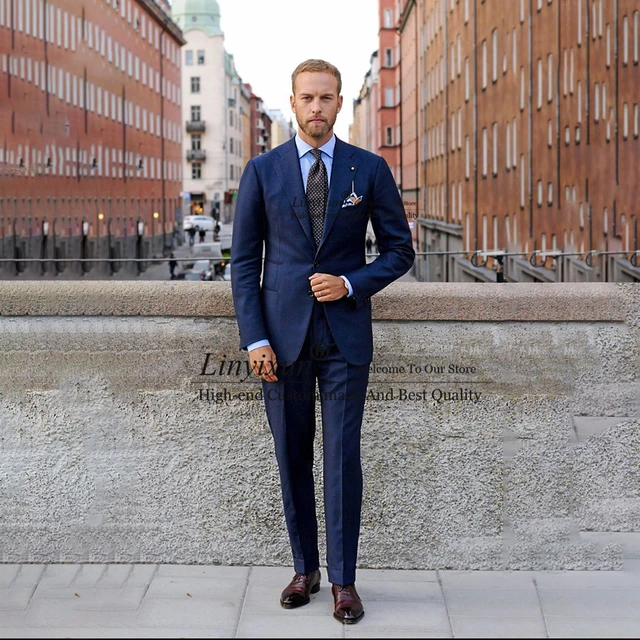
56 613
482 627
587 579
197 587
413 615
29 574
115 575
493 603
359 630
83 598
487 579
89 575
568 627
387 590
133 632
396 575
16 598
171 613
8 573
142 574
258 625
591 602
60 575
202 571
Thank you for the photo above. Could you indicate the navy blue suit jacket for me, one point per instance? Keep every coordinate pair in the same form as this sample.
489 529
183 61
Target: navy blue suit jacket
271 207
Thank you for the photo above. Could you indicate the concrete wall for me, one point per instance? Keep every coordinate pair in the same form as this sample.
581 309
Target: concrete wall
111 452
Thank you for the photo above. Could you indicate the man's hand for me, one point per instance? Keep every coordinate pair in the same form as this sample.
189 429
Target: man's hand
328 288
263 363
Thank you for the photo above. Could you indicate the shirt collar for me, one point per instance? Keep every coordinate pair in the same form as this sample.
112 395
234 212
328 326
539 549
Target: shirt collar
303 147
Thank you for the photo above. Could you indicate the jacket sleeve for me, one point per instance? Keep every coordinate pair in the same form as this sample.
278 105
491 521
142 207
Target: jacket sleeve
246 258
393 235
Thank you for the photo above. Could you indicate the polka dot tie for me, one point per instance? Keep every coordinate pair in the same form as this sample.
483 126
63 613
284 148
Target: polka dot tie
317 194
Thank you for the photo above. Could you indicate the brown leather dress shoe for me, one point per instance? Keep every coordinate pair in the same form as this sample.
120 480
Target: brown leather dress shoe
347 604
297 591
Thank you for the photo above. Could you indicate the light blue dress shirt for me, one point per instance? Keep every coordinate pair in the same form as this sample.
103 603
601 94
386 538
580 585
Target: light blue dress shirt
306 161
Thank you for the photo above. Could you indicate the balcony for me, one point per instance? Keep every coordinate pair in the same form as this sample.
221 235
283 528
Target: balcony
196 155
195 126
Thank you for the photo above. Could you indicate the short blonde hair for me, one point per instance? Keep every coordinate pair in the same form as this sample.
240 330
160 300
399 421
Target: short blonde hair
316 66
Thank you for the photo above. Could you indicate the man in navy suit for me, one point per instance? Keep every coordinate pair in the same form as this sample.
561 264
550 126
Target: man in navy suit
307 204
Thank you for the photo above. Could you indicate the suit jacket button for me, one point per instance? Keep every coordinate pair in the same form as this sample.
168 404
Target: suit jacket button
316 264
310 293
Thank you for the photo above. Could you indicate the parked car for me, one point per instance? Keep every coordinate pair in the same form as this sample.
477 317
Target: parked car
198 222
203 265
192 275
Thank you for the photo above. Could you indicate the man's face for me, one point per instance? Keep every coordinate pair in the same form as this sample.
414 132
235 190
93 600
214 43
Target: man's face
316 104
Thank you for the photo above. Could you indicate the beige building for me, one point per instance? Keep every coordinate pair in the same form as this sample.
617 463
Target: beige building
211 106
281 128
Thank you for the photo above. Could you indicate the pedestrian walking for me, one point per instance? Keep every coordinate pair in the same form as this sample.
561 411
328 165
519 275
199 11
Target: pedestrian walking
369 244
203 234
173 263
192 236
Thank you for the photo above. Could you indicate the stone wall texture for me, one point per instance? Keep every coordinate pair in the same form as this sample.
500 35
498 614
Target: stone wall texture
114 447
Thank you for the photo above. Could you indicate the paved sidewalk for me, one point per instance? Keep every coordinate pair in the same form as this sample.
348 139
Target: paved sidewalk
172 601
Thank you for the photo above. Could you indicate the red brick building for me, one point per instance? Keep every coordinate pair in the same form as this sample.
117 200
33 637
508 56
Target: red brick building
260 125
522 119
90 129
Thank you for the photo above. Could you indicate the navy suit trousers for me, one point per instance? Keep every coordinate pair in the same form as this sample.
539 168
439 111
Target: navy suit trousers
290 405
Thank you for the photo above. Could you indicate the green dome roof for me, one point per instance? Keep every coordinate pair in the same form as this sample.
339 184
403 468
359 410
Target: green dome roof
197 14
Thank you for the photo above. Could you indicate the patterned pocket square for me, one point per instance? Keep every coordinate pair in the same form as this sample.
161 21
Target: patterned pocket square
352 200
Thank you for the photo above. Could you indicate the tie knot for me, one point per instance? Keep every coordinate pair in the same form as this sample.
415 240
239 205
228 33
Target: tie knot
317 154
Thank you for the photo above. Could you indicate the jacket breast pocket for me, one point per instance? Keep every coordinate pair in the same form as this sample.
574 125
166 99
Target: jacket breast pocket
270 275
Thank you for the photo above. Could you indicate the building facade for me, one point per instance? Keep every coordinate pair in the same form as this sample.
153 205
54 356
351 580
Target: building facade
213 143
260 126
281 128
520 125
90 132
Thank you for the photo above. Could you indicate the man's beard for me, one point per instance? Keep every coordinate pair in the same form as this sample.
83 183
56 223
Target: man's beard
312 131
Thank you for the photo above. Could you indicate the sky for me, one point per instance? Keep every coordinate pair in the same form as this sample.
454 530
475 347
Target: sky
269 38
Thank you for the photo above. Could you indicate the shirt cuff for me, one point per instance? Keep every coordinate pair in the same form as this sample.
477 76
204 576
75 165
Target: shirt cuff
256 345
348 286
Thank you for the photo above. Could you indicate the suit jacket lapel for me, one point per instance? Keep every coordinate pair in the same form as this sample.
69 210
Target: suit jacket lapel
341 178
290 176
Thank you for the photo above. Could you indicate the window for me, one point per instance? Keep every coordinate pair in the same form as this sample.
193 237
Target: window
459 128
550 134
636 120
389 136
625 121
508 146
539 193
388 97
522 89
195 85
459 54
494 61
453 132
571 74
388 18
522 182
485 151
466 79
196 142
484 64
625 41
515 51
495 149
188 57
596 102
579 100
579 23
467 158
452 62
388 58
565 73
200 56
636 36
550 79
195 113
608 45
550 194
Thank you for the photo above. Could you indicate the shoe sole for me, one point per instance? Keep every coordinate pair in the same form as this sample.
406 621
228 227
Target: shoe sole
349 620
314 589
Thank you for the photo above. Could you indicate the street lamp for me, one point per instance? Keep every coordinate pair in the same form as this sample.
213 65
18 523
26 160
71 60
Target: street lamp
156 215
